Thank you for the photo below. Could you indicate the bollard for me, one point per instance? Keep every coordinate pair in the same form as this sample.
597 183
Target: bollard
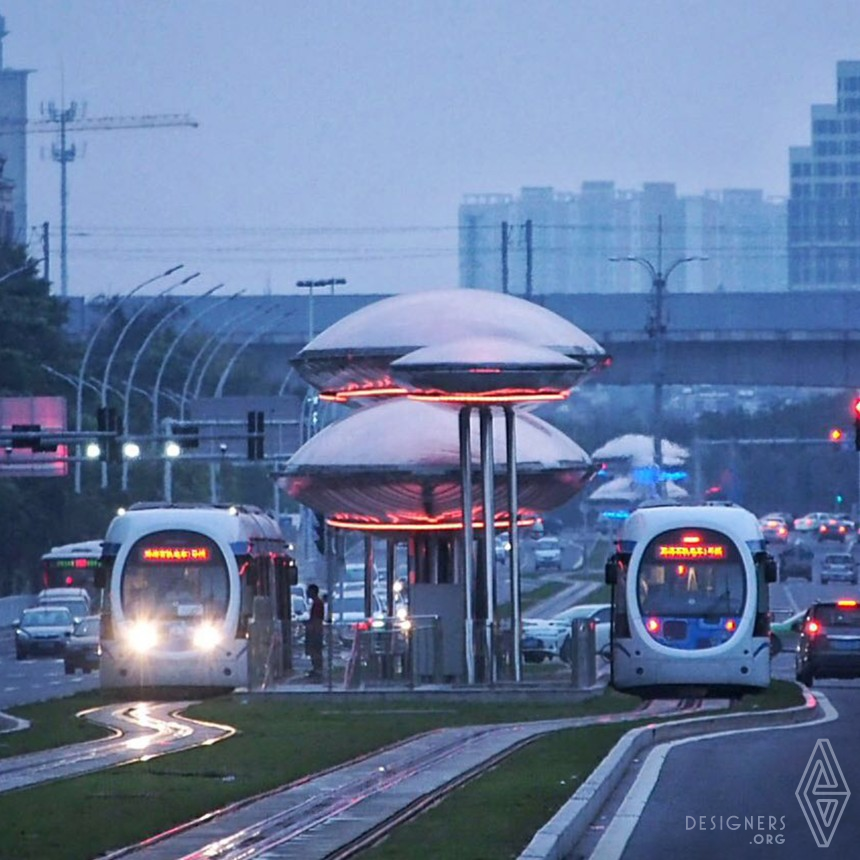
582 658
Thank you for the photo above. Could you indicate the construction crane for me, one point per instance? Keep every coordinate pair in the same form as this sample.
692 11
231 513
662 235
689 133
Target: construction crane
62 121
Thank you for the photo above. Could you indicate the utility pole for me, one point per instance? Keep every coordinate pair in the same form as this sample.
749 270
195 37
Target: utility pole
656 330
46 251
505 257
63 120
529 259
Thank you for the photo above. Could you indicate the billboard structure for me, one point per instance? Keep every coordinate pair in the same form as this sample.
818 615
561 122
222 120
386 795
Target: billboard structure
28 455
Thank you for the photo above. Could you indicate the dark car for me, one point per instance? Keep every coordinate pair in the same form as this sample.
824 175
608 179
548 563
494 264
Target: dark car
43 630
834 528
82 649
796 562
829 643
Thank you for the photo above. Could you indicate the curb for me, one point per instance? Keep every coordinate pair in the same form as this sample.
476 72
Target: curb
558 837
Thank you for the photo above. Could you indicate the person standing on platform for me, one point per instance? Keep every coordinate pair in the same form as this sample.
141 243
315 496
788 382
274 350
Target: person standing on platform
314 632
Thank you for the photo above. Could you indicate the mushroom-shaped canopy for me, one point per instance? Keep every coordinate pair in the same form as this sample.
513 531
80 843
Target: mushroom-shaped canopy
491 367
398 463
638 451
356 352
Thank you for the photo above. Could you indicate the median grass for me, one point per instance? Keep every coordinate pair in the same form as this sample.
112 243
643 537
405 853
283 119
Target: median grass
280 739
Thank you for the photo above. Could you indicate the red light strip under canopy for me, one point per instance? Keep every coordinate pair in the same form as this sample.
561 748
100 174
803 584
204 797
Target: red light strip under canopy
425 526
176 553
503 396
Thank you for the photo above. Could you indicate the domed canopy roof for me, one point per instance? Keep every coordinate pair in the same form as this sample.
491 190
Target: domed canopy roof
357 351
398 462
487 366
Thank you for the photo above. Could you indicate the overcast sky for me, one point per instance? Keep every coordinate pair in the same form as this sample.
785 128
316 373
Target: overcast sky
337 139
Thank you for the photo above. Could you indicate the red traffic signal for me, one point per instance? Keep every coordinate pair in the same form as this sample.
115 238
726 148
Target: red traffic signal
857 423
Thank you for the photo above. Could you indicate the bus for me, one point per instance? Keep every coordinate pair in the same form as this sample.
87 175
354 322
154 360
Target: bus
690 610
73 565
196 596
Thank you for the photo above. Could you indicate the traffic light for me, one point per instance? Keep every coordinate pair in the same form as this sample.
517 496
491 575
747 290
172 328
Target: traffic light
186 435
857 423
109 422
256 435
837 435
34 443
319 533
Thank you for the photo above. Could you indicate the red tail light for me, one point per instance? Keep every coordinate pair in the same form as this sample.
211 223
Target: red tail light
846 603
731 625
362 625
813 628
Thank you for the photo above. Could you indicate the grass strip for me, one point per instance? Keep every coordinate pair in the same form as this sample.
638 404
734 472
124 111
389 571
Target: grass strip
281 738
495 816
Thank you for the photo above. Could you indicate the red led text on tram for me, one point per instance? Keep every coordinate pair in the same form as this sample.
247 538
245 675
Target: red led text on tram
176 553
705 551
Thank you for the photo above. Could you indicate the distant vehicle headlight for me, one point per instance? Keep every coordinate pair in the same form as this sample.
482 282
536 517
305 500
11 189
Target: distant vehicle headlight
206 637
143 636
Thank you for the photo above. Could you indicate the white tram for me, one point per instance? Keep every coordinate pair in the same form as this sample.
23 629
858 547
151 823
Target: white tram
194 597
690 602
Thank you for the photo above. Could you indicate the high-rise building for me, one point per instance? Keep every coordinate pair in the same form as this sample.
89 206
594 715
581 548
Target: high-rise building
545 241
13 139
824 206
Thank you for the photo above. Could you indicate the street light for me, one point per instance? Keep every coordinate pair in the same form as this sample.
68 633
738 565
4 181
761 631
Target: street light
235 325
89 348
656 330
169 352
219 388
309 285
141 349
121 336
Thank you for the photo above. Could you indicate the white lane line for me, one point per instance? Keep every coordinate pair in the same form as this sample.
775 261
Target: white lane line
617 834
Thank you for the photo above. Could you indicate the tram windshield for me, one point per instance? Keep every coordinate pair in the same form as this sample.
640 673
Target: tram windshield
175 575
691 573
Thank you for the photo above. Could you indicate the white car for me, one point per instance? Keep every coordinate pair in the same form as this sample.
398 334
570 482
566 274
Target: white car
838 567
549 638
347 610
547 552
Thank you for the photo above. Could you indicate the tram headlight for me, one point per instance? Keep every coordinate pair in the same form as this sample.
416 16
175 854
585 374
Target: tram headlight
206 637
143 636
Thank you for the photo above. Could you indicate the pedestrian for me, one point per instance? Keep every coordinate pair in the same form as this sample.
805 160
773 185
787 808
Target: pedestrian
314 631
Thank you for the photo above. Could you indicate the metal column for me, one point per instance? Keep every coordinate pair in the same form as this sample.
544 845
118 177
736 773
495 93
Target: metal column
513 508
488 484
467 538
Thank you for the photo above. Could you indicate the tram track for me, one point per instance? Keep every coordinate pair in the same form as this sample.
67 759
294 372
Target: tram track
341 812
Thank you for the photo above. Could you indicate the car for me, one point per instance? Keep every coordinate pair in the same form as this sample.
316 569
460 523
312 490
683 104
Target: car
43 630
785 516
774 529
550 638
82 649
503 547
829 643
784 634
833 528
810 522
795 562
838 567
547 553
353 574
75 599
347 610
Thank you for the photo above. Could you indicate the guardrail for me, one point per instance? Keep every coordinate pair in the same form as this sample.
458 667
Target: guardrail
12 607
